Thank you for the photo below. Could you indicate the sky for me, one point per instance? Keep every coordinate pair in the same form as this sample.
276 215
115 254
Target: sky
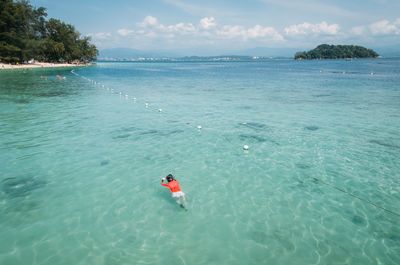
210 26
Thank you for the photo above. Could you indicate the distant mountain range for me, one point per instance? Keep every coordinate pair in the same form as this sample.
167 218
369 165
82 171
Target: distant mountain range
389 51
128 53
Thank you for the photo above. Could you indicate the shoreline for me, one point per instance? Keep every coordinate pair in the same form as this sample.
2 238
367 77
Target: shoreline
39 65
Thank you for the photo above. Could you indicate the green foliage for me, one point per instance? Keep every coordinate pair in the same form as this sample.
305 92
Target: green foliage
26 34
325 51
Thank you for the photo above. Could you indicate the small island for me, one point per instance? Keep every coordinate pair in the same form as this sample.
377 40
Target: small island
28 37
326 51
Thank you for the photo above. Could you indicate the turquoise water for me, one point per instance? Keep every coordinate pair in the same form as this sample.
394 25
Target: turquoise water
320 184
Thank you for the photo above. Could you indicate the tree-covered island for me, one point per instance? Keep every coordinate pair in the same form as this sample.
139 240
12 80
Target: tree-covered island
325 51
26 34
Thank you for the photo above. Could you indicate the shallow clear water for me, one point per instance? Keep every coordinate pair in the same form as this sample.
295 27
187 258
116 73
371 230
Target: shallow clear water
320 184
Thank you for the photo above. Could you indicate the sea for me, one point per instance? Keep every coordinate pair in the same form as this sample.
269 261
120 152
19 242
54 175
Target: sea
82 152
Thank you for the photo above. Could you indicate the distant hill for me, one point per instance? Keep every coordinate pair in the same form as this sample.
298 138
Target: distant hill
264 52
325 51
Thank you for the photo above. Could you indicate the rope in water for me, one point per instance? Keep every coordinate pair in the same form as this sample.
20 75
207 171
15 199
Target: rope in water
357 197
199 127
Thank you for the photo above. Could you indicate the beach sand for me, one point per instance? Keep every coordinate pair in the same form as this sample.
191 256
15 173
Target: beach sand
38 65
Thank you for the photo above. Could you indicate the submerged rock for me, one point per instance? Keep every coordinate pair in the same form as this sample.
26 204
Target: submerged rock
357 220
122 136
322 95
149 132
383 143
303 166
21 101
21 186
311 128
104 162
254 125
256 139
252 138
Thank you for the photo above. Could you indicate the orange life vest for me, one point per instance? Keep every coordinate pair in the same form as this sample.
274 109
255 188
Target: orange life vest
173 186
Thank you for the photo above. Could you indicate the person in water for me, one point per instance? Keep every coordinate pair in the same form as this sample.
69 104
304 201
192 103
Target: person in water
173 185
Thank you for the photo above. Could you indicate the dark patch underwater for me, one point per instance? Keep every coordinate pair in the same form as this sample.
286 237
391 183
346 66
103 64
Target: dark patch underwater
383 143
254 125
311 128
21 186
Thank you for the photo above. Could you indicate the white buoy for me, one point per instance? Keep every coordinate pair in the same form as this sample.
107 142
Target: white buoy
147 104
159 110
372 73
245 147
120 93
199 127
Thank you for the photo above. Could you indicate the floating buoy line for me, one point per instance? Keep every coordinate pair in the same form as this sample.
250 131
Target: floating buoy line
245 147
147 104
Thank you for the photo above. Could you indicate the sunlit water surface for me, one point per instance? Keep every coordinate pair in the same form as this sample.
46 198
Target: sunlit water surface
320 184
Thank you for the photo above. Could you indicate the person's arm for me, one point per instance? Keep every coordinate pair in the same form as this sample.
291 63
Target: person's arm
162 183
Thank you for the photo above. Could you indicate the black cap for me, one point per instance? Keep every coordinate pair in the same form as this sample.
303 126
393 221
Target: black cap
170 177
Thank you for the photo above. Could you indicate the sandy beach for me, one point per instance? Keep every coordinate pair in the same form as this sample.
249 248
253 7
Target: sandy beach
38 65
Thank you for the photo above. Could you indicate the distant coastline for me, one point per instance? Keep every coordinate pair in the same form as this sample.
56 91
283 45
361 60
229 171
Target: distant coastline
4 66
220 58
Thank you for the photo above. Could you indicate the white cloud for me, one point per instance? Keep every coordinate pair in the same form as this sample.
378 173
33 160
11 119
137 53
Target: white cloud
150 26
385 27
379 28
228 31
149 21
207 23
181 28
306 28
151 30
125 32
208 27
256 32
261 32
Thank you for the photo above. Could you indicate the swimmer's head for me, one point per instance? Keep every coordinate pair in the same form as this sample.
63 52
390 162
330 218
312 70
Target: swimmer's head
169 177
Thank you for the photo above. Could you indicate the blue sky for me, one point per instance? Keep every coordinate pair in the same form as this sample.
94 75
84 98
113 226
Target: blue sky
221 25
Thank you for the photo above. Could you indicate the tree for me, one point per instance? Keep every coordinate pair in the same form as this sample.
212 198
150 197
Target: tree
325 51
25 34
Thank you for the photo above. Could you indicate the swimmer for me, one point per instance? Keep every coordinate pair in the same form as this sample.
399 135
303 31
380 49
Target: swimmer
173 185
